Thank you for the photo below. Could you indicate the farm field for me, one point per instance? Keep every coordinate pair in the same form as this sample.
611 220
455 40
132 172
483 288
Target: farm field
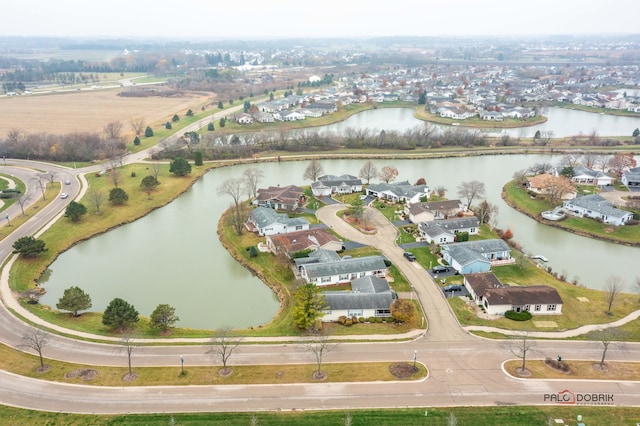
88 111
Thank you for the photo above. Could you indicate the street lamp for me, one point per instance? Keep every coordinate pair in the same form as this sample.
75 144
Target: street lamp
415 356
8 222
182 364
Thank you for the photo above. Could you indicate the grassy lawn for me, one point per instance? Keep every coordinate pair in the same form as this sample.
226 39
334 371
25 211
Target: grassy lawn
521 200
50 194
580 370
20 186
478 122
478 416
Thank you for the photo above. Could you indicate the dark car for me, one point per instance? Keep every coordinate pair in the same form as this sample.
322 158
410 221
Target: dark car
409 256
440 269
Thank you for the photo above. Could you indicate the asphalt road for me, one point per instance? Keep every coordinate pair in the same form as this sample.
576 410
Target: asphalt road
464 370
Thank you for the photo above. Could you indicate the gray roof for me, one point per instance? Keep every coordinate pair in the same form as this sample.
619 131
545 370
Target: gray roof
449 226
529 295
580 170
345 266
400 189
633 175
264 216
332 180
367 293
318 256
597 203
469 251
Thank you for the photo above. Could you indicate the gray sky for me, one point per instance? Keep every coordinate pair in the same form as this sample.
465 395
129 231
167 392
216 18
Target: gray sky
244 19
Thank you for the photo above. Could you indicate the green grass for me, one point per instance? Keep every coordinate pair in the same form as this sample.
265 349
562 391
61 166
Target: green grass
424 416
478 122
522 201
20 186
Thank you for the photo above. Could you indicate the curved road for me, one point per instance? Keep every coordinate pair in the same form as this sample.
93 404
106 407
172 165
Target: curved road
464 370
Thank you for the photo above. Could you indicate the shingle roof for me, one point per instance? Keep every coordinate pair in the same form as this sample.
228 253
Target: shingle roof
526 295
300 240
264 216
449 226
367 293
345 266
480 282
597 203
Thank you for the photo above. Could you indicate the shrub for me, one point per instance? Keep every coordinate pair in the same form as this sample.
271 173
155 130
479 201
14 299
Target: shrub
348 322
361 320
379 320
389 320
354 319
133 174
342 319
372 319
518 316
387 263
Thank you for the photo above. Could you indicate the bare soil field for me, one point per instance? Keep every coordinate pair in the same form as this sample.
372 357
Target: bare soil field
61 113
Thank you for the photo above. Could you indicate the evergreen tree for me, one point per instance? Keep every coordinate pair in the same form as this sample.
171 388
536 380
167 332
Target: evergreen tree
136 141
119 315
118 196
74 299
197 158
148 132
210 126
75 210
163 317
180 167
308 307
29 246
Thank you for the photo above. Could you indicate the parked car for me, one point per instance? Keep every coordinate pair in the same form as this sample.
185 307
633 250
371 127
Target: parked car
67 182
440 269
64 195
410 256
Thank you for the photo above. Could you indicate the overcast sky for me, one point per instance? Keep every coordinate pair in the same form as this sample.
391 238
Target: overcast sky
268 19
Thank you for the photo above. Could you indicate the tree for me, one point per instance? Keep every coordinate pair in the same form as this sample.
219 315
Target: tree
179 167
220 105
621 162
136 140
74 299
119 315
175 118
471 190
75 210
36 339
441 191
612 288
557 187
222 346
308 306
452 420
189 113
128 341
368 171
148 184
485 212
313 171
318 345
168 125
252 177
235 187
22 200
197 158
163 317
210 126
137 124
118 196
520 348
636 133
52 176
113 129
356 209
605 337
96 198
388 174
222 122
148 132
402 310
29 246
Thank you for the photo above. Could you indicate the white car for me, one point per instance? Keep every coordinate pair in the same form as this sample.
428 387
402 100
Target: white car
64 195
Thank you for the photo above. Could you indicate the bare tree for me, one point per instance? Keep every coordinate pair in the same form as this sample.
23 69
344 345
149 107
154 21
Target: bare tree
605 336
520 177
486 212
97 198
348 420
36 339
612 288
546 136
318 344
138 125
51 176
313 171
452 420
520 348
252 176
155 169
557 187
471 190
570 160
440 190
42 187
368 171
113 129
128 342
234 187
590 159
22 200
388 174
222 346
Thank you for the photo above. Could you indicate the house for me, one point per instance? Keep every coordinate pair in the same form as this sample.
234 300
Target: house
263 117
444 231
537 299
433 210
491 116
281 198
325 268
310 239
631 178
399 192
544 184
586 176
345 184
477 256
477 284
596 207
455 113
370 296
244 118
266 221
290 116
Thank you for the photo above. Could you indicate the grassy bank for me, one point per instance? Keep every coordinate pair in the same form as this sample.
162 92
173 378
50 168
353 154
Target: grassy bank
507 123
520 199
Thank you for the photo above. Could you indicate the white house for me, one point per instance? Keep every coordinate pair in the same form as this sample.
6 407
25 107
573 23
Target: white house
586 176
325 268
477 256
266 221
477 284
631 178
399 192
345 184
244 118
433 210
370 296
444 231
596 207
537 299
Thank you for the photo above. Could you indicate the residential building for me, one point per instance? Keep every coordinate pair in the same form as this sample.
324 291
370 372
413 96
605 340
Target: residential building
399 192
281 198
444 231
631 178
324 268
433 210
596 207
586 176
266 221
476 256
370 296
331 184
310 239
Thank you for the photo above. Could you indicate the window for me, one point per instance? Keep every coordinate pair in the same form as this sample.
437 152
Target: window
325 279
344 277
551 307
383 313
527 307
354 312
537 308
